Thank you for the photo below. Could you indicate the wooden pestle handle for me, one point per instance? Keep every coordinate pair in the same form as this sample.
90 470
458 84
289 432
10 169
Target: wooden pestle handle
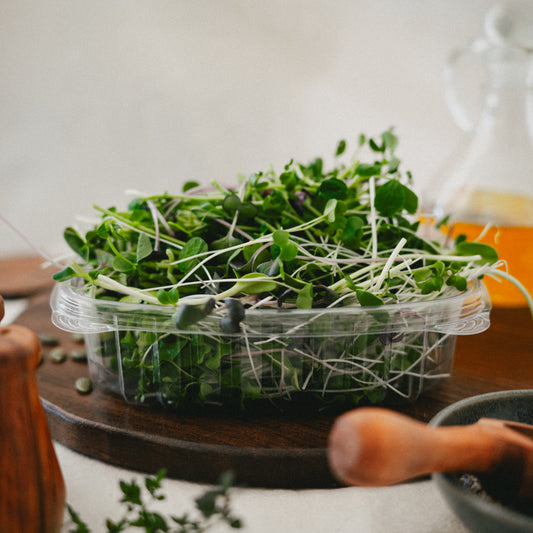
32 490
375 446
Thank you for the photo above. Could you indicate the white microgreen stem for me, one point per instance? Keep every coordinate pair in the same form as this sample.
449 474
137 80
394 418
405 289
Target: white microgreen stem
516 283
108 283
210 254
153 211
251 359
266 300
80 271
140 228
484 231
191 194
372 190
233 224
282 376
392 257
214 253
234 229
158 217
362 272
443 257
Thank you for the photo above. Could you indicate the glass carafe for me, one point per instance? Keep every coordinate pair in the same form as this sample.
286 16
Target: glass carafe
487 190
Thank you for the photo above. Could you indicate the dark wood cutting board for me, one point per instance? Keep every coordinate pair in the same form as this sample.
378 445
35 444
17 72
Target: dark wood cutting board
267 451
24 276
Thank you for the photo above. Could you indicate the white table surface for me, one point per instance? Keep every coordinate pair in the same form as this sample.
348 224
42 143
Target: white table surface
416 507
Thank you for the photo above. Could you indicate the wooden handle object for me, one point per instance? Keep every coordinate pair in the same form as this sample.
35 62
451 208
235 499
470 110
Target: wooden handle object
375 446
32 491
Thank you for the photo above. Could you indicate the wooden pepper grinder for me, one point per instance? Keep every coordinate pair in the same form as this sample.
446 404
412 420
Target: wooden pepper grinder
32 490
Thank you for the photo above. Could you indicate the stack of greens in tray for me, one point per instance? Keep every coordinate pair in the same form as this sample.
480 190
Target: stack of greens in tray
305 237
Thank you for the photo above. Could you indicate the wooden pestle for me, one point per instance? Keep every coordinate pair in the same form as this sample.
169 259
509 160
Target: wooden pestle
376 447
32 490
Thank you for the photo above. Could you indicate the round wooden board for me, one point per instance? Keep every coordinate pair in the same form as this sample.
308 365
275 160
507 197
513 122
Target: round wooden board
22 277
267 451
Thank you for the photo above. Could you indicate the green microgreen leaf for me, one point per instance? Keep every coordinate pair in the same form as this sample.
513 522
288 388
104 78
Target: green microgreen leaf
76 243
188 185
459 282
341 147
65 274
375 146
488 253
410 200
255 181
352 231
289 180
121 264
270 268
304 300
367 299
390 141
288 252
390 198
394 163
333 188
254 283
280 237
431 285
193 247
274 203
329 210
168 297
144 247
422 274
316 167
247 211
368 169
231 204
256 254
228 241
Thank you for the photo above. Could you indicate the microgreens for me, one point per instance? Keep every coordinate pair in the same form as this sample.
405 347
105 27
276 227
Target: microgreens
300 228
303 238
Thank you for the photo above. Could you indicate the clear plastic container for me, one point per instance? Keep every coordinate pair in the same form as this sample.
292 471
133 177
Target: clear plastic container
289 358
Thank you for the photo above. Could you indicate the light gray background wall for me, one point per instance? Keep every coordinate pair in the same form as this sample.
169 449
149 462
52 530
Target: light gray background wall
98 96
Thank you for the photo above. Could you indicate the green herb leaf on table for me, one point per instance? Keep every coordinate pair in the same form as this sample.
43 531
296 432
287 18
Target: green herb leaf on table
213 506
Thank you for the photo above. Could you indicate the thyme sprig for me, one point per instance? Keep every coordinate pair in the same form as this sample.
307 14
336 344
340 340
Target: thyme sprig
214 506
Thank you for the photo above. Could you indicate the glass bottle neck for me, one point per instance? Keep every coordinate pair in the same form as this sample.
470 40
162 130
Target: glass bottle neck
508 95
